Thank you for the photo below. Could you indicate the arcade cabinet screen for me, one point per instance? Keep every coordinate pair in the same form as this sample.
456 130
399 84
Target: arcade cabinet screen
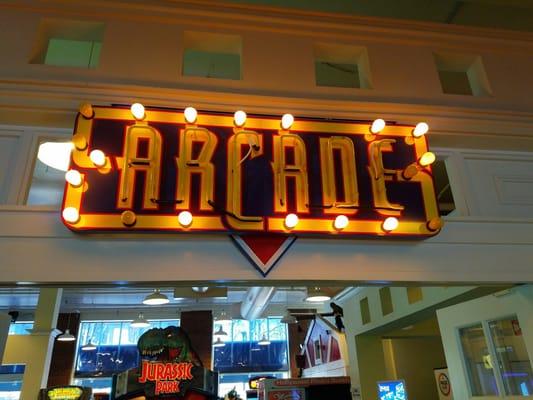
392 390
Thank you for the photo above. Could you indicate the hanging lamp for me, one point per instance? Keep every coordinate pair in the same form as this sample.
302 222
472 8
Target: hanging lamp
156 299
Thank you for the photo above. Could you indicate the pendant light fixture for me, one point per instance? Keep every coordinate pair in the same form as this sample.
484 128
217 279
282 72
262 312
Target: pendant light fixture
140 322
219 343
67 336
317 295
156 299
89 346
288 318
264 341
220 331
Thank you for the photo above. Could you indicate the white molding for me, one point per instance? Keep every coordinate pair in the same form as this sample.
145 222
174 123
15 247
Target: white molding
224 14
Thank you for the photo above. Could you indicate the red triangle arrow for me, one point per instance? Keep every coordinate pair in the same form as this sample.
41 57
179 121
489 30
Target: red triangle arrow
263 251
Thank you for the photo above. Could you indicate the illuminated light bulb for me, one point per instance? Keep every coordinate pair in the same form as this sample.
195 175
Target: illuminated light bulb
420 129
73 177
341 222
239 118
55 154
390 224
291 220
137 110
377 126
286 121
190 114
71 214
97 157
185 218
427 158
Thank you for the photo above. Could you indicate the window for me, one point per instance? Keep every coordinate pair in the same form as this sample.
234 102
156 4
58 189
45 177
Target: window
511 353
48 178
116 346
242 352
21 328
462 74
496 358
212 55
414 294
364 307
68 43
11 381
478 361
385 300
341 66
443 189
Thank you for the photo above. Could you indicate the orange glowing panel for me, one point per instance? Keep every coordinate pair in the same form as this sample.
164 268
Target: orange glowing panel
246 176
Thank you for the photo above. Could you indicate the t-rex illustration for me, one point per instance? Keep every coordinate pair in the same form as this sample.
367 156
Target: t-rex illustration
170 344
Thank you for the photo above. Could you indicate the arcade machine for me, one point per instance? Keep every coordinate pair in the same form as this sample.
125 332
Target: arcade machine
169 369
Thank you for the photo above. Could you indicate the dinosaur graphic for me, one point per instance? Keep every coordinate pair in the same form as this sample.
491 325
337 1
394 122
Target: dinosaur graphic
169 344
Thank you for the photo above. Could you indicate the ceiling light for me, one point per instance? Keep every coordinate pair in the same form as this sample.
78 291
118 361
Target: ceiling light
427 158
89 346
97 157
66 337
190 114
264 341
200 289
288 318
71 214
219 343
420 129
390 224
185 218
286 121
140 322
341 222
220 331
316 295
377 126
239 118
73 177
156 299
55 154
137 110
291 220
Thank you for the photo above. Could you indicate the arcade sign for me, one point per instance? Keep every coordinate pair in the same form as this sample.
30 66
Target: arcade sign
248 176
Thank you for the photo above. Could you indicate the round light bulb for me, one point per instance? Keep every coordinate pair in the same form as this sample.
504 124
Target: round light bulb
73 177
377 126
190 114
291 220
239 118
420 129
341 222
137 110
97 157
185 218
390 224
286 121
427 158
71 214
